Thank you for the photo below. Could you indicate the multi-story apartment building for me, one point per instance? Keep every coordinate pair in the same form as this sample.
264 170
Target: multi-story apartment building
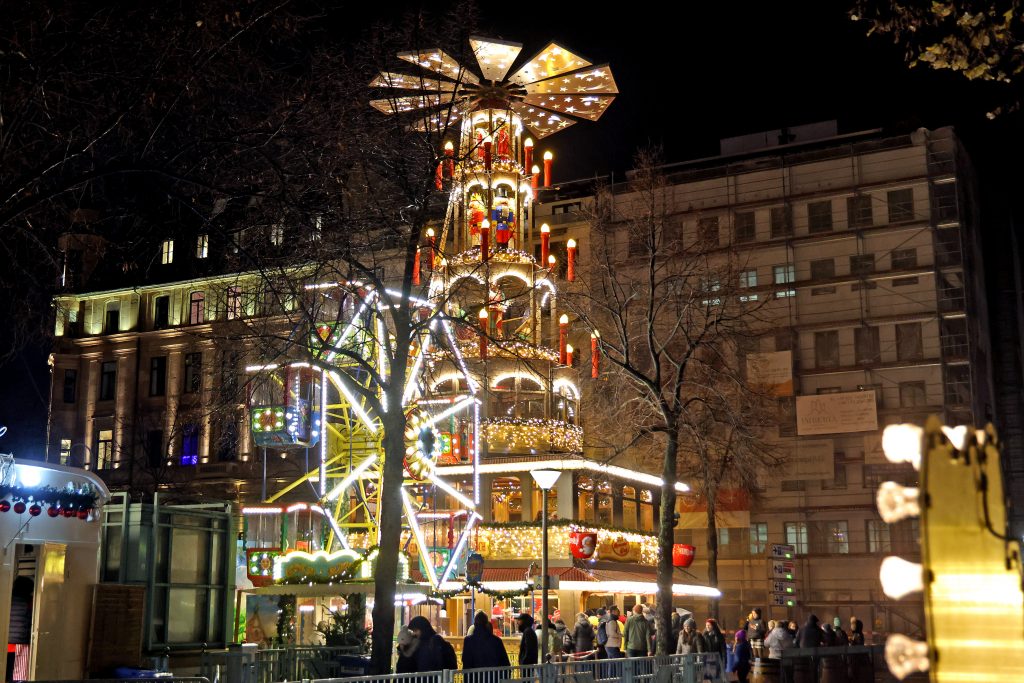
867 247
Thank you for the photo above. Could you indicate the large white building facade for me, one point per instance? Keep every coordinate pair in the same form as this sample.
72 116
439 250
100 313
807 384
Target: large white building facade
867 247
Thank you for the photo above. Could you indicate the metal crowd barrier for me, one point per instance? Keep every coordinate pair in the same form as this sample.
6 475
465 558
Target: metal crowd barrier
160 679
273 665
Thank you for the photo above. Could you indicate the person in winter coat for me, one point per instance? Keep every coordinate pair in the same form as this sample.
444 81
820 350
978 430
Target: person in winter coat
676 626
810 635
561 640
407 644
583 634
690 641
778 640
856 631
483 649
637 633
841 638
743 654
433 653
528 643
755 627
714 639
830 635
613 634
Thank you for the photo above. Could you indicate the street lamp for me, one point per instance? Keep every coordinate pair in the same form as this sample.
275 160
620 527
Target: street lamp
545 480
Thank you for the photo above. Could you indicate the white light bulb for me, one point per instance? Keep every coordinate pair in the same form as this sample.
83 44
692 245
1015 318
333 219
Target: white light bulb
897 502
902 443
956 435
905 655
900 577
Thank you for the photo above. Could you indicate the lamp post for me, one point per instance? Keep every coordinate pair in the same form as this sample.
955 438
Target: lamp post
545 480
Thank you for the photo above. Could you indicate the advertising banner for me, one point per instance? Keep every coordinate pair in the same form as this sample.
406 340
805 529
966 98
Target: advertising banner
771 371
852 411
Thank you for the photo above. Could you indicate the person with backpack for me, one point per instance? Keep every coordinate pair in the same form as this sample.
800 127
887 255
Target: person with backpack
433 653
561 640
613 634
600 634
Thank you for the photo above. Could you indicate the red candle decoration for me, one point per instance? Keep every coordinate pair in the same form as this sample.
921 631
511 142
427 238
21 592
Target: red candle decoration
35 510
528 153
552 263
487 153
449 160
570 265
438 179
485 240
682 555
548 158
545 243
416 268
568 354
52 511
431 246
483 334
19 508
595 355
563 338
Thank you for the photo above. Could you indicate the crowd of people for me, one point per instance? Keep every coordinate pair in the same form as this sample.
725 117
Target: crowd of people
607 634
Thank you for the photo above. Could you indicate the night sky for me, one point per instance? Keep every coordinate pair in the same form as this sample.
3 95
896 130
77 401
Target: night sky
689 75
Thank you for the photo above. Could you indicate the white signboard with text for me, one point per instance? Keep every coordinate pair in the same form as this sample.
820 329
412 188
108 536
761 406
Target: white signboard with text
852 411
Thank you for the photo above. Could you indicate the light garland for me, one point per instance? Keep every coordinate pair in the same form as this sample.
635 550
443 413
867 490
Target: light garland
472 257
523 541
514 432
510 348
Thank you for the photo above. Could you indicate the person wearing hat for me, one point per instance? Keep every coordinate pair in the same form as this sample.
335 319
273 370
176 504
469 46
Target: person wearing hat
690 641
528 643
743 654
432 652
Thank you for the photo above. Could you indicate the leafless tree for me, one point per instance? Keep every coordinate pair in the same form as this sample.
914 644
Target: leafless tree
671 311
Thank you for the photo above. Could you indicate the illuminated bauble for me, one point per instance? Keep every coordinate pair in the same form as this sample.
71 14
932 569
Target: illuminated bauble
35 510
19 507
52 511
83 514
682 555
69 513
5 505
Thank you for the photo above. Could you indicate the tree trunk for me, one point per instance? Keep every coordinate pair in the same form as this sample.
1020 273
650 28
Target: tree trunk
712 552
666 538
385 575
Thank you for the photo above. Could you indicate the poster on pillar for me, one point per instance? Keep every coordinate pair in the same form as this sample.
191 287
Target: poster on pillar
732 510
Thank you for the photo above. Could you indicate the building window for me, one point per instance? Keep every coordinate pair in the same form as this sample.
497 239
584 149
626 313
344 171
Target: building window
748 279
944 202
796 536
65 452
234 301
161 312
104 449
744 227
903 259
196 308
904 281
838 480
958 385
112 321
784 275
646 510
954 337
277 234
604 503
70 385
823 269
913 395
190 445
819 216
316 233
203 246
862 264
866 346
826 349
878 536
901 205
193 372
707 231
108 380
792 485
909 345
167 252
710 287
780 219
830 537
158 376
629 507
758 538
858 211
154 447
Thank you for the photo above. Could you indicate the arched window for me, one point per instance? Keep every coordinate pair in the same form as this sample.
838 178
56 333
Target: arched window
566 403
646 510
506 499
629 507
517 396
538 502
604 503
112 323
585 499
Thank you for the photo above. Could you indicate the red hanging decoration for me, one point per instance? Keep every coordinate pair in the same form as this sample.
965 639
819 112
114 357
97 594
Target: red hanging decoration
595 356
583 544
19 507
35 510
5 505
53 512
83 514
69 513
682 555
